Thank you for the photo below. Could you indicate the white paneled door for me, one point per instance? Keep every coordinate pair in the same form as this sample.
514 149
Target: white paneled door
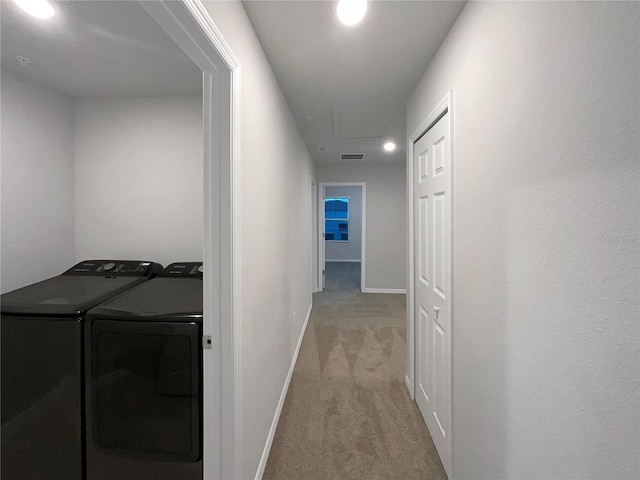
432 229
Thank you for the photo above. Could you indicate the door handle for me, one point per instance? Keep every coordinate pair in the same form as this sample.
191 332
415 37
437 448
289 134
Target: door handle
437 310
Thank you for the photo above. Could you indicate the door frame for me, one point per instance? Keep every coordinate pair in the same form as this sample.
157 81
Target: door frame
321 223
189 24
445 105
315 250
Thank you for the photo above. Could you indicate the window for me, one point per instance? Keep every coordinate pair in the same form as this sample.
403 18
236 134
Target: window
336 219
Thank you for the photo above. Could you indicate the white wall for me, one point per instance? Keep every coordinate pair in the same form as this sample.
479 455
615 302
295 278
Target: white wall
139 178
351 250
276 232
546 226
385 223
97 178
37 182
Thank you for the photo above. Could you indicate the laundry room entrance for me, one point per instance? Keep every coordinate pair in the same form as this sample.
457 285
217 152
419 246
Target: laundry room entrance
106 154
102 141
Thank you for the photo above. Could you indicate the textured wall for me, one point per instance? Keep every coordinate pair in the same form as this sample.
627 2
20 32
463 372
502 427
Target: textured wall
546 227
37 182
138 178
276 232
385 222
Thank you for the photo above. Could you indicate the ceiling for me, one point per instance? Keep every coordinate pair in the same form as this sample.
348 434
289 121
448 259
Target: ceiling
95 49
347 86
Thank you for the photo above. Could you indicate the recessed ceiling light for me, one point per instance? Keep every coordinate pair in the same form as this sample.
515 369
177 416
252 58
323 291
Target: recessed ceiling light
389 146
351 12
37 8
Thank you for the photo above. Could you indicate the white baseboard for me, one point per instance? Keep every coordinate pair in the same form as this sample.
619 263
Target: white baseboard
350 260
276 417
385 290
407 382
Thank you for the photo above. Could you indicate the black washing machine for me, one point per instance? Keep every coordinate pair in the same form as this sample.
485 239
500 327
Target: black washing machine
144 380
42 366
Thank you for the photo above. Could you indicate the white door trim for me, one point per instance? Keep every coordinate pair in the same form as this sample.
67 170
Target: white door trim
363 244
188 23
445 105
315 250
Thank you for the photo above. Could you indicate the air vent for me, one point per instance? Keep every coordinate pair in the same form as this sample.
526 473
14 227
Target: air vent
352 156
322 149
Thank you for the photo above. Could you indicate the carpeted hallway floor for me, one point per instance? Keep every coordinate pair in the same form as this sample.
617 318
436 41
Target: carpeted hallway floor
342 276
348 414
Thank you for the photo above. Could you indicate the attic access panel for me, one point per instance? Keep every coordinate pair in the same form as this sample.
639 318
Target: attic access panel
368 123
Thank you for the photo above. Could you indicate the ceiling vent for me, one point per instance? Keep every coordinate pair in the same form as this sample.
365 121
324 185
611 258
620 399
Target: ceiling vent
322 149
352 156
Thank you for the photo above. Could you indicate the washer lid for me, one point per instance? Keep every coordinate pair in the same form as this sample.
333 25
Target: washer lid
64 295
163 298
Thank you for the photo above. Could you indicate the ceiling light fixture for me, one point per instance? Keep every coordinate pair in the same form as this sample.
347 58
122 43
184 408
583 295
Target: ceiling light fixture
389 146
37 8
351 12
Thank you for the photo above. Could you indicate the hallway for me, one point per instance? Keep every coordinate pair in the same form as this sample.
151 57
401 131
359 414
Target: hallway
340 277
347 414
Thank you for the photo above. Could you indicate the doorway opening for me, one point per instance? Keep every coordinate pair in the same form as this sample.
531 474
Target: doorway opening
189 25
342 235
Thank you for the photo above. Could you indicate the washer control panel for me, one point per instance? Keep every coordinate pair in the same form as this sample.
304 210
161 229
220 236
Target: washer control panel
184 269
113 268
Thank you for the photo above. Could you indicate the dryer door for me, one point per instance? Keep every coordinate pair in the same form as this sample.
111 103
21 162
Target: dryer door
146 389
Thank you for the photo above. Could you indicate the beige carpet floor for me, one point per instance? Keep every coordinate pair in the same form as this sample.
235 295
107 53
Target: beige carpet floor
342 276
348 414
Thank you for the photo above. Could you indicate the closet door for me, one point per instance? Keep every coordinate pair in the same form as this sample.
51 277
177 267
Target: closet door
432 256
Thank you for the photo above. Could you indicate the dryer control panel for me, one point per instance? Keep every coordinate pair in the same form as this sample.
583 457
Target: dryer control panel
184 270
113 268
